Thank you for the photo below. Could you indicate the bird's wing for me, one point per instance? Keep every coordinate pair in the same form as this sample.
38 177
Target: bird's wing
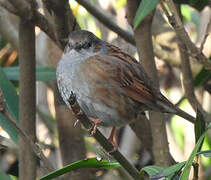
112 71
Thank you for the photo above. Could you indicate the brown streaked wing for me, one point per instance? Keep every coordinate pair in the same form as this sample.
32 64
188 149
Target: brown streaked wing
107 69
118 53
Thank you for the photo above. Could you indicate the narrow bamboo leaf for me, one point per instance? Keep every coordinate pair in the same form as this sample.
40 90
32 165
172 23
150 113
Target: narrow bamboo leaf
10 94
8 128
145 8
172 169
186 171
4 176
199 126
89 163
11 99
151 170
202 77
42 73
205 153
156 172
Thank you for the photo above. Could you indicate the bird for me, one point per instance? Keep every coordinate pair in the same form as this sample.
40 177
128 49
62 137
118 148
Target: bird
112 88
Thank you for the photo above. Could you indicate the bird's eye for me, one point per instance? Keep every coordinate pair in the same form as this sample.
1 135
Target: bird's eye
77 47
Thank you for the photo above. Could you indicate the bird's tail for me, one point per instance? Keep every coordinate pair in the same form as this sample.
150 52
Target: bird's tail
166 106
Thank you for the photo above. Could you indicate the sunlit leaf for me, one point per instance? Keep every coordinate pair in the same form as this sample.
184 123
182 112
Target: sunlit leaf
42 73
13 177
145 8
89 163
197 4
186 171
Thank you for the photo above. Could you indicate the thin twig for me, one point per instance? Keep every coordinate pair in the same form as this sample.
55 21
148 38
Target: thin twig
81 116
36 149
61 13
47 27
24 10
107 21
5 4
176 23
205 36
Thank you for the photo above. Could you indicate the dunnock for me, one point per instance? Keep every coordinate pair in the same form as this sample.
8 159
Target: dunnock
111 86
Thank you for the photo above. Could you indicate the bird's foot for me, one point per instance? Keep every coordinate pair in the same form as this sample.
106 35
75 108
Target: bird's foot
96 122
113 139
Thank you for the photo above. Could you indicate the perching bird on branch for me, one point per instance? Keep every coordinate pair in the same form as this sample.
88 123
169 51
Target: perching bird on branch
111 87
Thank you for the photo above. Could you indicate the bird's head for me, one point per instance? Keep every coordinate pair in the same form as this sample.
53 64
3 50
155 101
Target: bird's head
82 40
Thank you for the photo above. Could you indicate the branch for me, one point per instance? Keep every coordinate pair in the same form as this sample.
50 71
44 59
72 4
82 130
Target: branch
47 27
36 149
176 23
102 139
5 4
27 100
8 28
205 36
25 11
143 38
107 21
185 63
63 18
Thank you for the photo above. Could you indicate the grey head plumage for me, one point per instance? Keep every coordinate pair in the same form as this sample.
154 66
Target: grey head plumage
82 40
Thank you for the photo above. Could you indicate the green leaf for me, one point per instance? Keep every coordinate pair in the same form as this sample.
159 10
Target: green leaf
172 169
145 8
10 94
89 163
186 171
197 4
202 77
156 172
13 177
42 73
205 153
8 127
11 99
199 126
4 176
151 170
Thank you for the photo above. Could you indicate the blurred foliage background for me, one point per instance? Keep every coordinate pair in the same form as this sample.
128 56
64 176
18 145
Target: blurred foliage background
180 133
